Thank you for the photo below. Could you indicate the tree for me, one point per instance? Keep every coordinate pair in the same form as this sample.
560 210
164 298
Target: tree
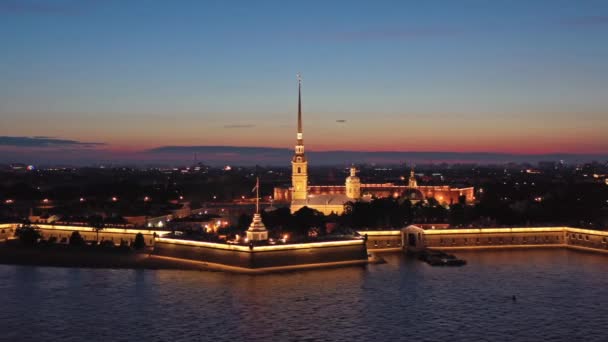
139 242
76 239
244 221
306 218
28 235
277 219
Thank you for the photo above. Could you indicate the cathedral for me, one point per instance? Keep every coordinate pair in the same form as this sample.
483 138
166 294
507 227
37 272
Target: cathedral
330 199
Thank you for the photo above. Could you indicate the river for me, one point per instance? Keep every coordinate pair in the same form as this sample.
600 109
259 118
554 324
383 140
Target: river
560 295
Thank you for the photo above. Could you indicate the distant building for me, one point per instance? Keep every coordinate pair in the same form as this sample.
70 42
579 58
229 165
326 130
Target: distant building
332 198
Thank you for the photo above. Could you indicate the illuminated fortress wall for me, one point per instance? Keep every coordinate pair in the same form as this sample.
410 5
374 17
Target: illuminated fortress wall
488 238
415 238
383 240
64 231
264 257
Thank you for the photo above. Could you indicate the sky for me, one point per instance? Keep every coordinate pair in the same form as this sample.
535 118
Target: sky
114 79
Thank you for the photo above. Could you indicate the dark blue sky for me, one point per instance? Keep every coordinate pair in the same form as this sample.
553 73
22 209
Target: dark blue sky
506 76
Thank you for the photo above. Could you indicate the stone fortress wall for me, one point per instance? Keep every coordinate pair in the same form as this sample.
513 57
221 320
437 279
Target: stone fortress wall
416 238
63 231
390 240
220 256
264 258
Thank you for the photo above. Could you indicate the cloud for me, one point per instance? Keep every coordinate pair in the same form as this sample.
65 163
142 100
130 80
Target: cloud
341 121
218 149
586 21
39 141
240 126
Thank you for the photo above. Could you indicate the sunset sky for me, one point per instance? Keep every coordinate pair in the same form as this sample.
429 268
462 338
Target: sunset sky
119 77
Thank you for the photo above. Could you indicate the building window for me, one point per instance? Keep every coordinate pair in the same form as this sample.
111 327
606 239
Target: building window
299 170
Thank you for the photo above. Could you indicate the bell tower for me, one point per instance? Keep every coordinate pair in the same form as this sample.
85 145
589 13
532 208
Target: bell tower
353 185
412 183
299 165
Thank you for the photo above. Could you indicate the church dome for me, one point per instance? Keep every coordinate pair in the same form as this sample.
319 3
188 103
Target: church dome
413 195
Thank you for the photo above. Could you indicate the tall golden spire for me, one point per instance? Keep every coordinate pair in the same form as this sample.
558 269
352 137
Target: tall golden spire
300 137
299 150
299 165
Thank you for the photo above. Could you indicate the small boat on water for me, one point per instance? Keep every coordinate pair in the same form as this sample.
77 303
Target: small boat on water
439 258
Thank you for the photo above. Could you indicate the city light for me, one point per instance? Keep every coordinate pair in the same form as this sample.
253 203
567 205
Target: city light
146 199
9 201
114 199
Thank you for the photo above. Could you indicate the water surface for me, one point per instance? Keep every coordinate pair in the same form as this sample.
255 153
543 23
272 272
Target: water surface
560 296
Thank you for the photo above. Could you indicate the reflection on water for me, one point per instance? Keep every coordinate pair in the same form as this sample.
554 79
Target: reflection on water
560 296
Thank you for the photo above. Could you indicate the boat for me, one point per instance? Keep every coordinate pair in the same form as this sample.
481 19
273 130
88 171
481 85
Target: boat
439 258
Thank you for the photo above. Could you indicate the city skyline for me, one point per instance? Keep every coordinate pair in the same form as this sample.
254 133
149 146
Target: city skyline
522 79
